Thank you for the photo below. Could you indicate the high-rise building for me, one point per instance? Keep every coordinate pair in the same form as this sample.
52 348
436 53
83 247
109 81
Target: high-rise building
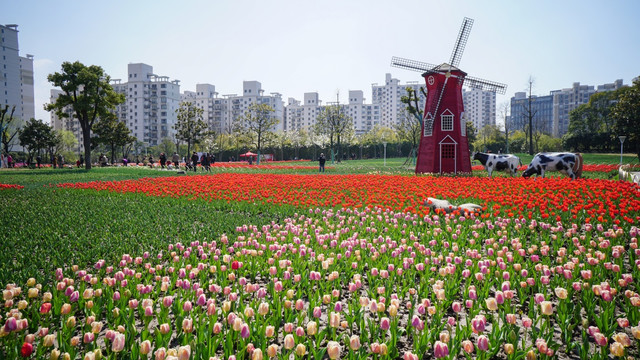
551 112
220 113
568 99
388 97
16 75
479 107
541 110
302 115
149 110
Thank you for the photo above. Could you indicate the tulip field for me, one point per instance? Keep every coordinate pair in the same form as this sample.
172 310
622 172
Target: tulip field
279 262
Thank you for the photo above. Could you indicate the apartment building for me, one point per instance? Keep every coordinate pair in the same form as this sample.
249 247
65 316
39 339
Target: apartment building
16 75
551 112
388 96
221 112
151 101
479 107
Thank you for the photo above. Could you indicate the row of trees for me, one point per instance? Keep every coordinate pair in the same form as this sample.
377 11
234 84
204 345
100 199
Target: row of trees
87 92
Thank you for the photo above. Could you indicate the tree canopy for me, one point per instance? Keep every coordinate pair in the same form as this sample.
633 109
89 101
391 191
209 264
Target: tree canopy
626 113
86 90
333 122
113 134
190 127
257 125
37 136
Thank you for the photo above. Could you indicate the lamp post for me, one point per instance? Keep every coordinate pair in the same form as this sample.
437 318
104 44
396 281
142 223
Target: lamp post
622 139
384 143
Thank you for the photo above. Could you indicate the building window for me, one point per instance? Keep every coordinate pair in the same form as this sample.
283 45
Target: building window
447 122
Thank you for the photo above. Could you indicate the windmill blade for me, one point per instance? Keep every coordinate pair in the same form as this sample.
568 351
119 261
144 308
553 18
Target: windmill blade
485 85
461 42
411 64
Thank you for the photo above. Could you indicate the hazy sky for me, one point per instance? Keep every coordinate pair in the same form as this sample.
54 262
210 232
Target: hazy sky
293 47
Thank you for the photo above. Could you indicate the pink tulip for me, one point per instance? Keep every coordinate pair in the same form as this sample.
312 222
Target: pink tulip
483 343
385 323
118 342
440 350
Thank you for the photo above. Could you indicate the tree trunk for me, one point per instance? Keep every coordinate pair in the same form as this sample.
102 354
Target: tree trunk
86 140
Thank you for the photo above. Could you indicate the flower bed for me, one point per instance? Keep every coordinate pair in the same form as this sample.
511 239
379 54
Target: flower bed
556 198
354 284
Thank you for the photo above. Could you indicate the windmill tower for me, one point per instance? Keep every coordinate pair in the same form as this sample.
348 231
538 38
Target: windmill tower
444 147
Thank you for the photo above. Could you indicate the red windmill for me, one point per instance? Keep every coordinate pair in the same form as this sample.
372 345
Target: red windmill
444 147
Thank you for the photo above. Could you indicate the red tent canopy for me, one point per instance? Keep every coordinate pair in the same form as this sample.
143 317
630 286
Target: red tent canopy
248 153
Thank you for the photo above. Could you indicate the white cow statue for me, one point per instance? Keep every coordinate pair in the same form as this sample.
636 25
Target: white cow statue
498 162
569 164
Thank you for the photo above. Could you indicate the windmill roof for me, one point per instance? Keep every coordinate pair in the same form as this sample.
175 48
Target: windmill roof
444 67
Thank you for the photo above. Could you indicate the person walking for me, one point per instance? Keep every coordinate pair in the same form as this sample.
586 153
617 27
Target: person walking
194 160
175 159
204 160
321 160
163 160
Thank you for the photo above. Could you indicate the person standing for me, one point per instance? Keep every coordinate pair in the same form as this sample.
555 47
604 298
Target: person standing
3 161
213 159
60 161
163 160
194 160
321 160
38 161
81 160
9 161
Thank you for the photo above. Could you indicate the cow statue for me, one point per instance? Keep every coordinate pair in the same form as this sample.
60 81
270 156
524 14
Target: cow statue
569 164
498 162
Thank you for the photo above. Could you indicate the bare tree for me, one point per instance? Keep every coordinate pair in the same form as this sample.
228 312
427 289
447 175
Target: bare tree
530 113
505 110
8 129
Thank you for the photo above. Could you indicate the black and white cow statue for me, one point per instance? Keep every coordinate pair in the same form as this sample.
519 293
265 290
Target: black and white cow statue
498 162
569 164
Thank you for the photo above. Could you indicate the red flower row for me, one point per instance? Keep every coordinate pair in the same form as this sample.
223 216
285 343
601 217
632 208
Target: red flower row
586 167
10 186
558 198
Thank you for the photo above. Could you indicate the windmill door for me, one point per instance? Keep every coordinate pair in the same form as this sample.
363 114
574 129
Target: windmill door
448 155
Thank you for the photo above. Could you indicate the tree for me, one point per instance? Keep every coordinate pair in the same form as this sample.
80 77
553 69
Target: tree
334 123
591 124
472 134
257 125
87 91
530 114
409 127
113 134
8 128
36 136
65 141
190 127
408 130
505 109
626 114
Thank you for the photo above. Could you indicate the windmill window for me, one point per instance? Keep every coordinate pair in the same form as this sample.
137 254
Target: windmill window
447 122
